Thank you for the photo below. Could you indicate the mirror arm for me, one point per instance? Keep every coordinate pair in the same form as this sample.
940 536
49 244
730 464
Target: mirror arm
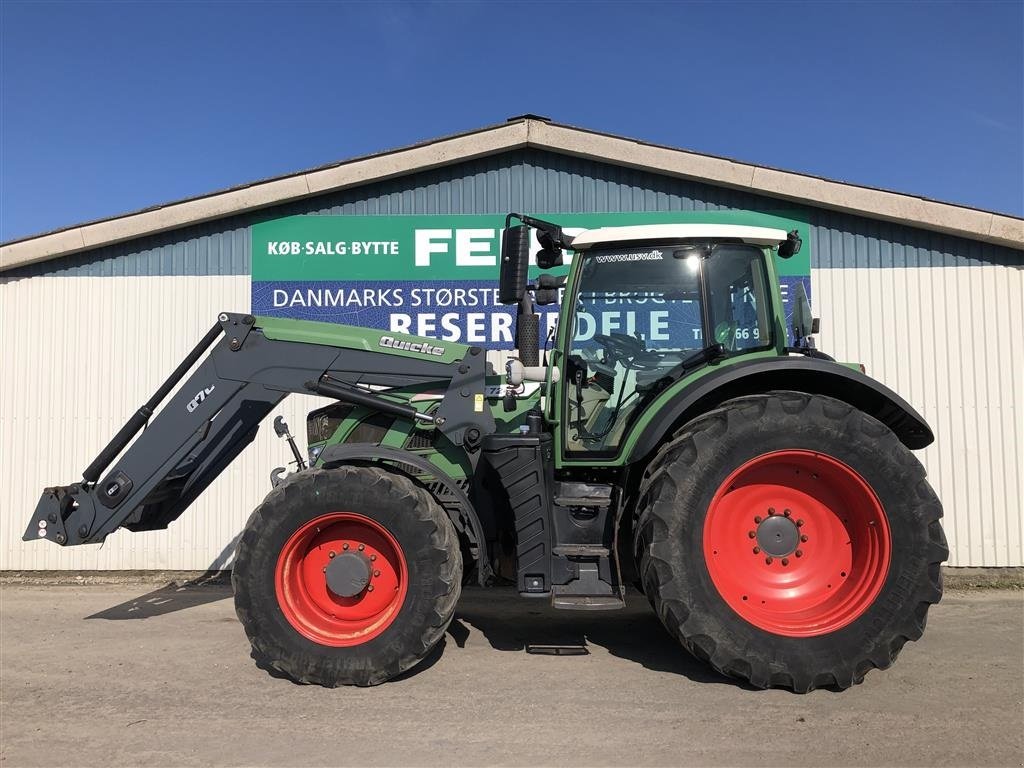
558 238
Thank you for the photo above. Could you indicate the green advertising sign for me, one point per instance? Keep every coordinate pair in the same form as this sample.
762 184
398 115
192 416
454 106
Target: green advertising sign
347 248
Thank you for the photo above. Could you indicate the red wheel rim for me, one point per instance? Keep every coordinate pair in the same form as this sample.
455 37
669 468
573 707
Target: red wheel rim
301 579
797 543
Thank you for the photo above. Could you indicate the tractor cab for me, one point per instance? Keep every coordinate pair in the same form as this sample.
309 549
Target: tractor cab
644 306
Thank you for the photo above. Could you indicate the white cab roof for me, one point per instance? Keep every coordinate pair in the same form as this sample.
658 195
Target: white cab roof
608 235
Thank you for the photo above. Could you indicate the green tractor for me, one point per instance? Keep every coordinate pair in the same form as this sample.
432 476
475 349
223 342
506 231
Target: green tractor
672 439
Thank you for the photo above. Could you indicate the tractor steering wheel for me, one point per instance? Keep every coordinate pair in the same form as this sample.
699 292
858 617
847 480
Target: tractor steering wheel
619 346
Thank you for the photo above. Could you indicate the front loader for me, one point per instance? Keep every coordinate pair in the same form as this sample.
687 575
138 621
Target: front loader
674 439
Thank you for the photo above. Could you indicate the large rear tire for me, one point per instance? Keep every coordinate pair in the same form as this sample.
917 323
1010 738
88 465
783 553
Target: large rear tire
790 540
346 576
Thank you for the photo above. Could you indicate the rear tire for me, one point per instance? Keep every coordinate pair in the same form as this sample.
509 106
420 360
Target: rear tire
396 576
813 475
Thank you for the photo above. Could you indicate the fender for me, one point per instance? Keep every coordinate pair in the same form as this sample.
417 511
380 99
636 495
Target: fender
466 520
802 374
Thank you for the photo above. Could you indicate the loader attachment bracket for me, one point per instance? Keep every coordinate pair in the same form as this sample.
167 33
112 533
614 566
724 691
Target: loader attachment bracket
53 509
236 328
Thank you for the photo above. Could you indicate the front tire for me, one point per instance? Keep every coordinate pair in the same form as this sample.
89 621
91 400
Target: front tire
790 540
346 576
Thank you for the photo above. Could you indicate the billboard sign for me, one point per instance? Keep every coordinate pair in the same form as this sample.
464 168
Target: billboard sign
436 275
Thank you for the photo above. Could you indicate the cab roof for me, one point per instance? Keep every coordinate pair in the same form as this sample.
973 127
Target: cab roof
611 235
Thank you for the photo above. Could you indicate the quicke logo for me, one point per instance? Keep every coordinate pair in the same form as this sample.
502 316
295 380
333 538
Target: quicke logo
423 348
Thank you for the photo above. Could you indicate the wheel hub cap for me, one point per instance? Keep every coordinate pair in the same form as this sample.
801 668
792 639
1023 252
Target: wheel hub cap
348 574
797 543
341 579
777 536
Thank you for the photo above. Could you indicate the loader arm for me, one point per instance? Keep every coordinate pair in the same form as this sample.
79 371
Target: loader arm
250 365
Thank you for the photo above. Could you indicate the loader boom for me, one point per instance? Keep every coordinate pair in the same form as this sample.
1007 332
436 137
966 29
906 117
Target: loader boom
217 411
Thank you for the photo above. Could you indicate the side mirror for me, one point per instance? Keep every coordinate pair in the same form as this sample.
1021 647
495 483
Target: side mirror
804 324
515 264
280 427
791 246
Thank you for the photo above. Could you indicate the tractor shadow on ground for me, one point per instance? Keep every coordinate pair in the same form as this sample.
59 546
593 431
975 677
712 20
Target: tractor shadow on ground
512 623
211 586
173 596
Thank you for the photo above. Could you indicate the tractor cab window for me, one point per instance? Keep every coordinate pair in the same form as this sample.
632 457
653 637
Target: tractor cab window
737 297
640 313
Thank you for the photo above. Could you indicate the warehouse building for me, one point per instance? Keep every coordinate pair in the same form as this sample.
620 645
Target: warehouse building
928 295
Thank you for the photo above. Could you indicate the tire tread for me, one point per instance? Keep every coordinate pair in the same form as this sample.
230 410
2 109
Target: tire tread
307 668
673 603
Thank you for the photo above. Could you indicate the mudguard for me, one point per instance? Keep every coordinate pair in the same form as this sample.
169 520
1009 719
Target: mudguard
798 373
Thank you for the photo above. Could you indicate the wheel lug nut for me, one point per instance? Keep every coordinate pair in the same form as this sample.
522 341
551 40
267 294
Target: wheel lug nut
345 545
787 512
376 573
751 534
771 511
768 560
799 553
362 547
757 550
757 518
785 561
370 588
325 569
799 523
372 558
804 537
331 554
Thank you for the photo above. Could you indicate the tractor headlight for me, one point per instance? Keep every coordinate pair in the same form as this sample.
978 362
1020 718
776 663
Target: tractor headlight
314 453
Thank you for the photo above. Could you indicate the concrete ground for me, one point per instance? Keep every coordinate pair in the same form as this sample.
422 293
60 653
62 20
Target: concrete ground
131 675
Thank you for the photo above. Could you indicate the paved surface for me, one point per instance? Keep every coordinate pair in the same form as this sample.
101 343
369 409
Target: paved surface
122 675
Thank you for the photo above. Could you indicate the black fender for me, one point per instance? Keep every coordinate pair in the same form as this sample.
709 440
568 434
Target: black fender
464 518
813 376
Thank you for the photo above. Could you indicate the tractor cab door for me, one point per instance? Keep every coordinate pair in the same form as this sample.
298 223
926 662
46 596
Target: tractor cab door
642 317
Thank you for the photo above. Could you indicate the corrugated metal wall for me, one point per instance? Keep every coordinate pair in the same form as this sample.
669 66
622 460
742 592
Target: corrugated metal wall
947 339
87 338
88 351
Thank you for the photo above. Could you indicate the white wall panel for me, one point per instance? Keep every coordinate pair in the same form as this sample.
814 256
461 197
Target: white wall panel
79 354
948 339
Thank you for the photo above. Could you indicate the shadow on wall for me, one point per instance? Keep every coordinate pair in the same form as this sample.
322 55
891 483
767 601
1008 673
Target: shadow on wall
211 586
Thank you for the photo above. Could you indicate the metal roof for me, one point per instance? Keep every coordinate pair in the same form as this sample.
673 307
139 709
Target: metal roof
520 132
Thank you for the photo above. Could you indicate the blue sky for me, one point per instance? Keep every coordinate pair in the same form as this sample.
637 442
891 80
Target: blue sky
111 107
